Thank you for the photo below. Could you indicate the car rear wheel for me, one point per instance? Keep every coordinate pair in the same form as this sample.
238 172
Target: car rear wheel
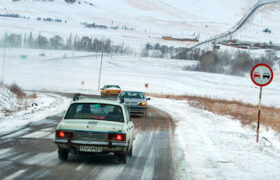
123 158
63 154
130 151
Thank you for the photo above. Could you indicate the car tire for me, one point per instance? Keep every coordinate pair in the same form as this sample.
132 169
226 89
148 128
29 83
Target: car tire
130 151
123 158
63 154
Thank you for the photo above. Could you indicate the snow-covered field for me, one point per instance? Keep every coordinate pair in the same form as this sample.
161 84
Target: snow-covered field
165 76
210 146
151 19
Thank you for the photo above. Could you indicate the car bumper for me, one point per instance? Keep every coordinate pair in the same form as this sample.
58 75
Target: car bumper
105 146
137 109
110 94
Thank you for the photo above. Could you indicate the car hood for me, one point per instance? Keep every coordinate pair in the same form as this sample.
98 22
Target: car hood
91 125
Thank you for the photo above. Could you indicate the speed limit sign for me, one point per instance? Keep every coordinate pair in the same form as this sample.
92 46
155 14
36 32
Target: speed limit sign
261 75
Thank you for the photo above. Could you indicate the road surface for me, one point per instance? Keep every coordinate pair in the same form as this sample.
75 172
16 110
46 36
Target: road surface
30 153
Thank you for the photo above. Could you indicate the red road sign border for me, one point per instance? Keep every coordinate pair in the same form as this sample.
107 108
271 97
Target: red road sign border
253 78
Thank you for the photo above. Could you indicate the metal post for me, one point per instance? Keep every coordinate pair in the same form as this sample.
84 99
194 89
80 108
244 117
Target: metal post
259 114
146 91
98 88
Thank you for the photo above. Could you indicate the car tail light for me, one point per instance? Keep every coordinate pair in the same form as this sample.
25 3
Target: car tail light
143 104
118 137
63 134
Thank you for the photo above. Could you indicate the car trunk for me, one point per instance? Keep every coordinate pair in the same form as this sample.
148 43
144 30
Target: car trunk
95 130
114 91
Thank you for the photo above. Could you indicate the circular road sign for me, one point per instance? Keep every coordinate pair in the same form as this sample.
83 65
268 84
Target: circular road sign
261 74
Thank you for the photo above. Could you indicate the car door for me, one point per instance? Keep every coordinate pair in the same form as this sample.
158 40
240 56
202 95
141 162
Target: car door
130 126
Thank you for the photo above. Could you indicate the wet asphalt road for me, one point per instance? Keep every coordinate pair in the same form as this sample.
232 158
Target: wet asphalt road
29 153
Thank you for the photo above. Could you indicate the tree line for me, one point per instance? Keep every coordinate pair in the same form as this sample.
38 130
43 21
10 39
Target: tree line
163 51
84 43
235 62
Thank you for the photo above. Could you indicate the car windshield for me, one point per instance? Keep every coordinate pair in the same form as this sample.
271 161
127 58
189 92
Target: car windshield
113 86
106 112
134 95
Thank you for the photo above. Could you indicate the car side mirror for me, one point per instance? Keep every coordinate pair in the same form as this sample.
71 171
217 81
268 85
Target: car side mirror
101 88
148 99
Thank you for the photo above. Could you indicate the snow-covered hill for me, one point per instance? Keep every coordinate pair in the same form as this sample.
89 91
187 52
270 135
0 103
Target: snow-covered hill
148 19
266 17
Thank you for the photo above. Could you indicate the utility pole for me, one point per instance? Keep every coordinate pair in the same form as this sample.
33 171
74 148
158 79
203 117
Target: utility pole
3 62
99 78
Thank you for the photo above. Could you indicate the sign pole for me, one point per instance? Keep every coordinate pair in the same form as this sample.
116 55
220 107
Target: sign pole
146 86
259 114
261 75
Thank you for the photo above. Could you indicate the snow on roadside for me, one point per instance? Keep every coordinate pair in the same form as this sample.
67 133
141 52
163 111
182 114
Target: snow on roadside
48 105
8 100
218 147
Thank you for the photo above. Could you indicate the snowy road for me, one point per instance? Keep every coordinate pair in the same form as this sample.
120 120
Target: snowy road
29 153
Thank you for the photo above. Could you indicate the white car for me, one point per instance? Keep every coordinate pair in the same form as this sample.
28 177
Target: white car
95 126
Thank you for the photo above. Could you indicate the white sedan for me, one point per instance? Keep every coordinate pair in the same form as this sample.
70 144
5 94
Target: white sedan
95 126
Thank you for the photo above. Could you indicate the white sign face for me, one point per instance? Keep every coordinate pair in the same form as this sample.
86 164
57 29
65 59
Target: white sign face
262 75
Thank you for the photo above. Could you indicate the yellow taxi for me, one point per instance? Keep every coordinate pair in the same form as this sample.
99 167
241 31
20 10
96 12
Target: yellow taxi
110 90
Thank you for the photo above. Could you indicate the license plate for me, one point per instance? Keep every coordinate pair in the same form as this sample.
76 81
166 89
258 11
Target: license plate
89 149
132 103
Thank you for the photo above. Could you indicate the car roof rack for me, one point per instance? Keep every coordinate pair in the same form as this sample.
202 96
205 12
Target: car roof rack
78 96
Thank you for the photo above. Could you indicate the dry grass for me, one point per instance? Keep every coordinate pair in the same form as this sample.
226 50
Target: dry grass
33 96
246 113
14 88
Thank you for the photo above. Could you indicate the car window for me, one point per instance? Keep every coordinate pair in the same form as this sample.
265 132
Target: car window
134 95
113 86
93 111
